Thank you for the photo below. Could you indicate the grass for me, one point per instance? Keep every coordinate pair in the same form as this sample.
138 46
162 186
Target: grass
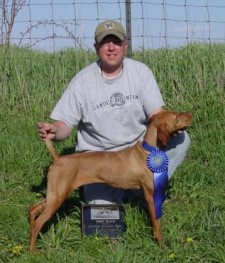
191 78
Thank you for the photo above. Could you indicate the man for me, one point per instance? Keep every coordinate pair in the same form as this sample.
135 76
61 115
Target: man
110 102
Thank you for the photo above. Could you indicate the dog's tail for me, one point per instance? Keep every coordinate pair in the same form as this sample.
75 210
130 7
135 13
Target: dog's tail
52 150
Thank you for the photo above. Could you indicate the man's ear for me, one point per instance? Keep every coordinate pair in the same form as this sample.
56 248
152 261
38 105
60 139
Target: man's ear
163 134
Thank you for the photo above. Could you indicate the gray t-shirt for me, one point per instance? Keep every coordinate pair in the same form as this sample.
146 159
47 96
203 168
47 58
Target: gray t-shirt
111 114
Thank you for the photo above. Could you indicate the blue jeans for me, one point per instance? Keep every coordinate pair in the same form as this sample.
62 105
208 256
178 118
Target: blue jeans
101 193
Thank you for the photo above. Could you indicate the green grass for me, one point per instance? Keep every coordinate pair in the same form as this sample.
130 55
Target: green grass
193 225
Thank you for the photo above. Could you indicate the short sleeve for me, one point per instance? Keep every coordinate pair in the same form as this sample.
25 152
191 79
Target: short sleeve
69 107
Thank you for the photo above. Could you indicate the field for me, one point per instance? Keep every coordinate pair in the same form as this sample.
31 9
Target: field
193 222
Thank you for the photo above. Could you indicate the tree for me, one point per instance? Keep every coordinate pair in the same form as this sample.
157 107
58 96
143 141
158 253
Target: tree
9 11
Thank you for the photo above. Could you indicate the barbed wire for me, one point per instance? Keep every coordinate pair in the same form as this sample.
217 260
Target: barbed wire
55 24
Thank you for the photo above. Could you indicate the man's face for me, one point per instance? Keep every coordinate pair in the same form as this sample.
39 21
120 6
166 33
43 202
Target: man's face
111 51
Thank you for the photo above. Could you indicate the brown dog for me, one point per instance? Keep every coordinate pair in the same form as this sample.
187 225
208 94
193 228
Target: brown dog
125 169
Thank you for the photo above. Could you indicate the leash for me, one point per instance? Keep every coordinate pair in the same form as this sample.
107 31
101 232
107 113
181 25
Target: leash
157 162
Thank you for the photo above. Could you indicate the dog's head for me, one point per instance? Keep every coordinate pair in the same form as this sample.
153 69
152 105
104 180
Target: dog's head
170 122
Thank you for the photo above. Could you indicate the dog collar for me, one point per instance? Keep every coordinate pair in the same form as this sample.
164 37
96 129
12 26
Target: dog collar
157 162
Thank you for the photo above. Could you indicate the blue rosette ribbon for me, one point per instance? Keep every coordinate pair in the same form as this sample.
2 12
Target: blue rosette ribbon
157 162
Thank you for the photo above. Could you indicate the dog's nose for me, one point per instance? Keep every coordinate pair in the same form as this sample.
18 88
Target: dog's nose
189 114
189 117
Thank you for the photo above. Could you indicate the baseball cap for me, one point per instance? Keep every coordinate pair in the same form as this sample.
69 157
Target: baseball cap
109 27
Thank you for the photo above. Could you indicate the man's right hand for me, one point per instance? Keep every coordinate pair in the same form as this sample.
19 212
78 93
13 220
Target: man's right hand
46 130
57 130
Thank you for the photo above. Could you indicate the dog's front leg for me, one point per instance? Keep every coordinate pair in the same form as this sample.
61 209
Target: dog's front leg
155 222
157 232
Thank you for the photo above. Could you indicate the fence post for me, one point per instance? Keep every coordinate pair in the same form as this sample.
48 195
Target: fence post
128 28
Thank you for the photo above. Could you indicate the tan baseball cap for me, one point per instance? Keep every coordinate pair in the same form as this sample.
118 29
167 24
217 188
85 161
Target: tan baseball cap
109 27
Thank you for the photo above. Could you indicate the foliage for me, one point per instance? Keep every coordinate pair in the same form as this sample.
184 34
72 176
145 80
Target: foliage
191 78
9 11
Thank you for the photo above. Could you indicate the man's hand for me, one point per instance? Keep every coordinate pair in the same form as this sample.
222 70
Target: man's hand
57 130
46 130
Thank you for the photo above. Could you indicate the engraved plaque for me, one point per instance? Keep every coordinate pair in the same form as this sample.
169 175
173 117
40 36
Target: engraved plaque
103 220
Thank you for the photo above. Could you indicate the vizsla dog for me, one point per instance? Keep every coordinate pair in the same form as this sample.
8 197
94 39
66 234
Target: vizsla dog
125 169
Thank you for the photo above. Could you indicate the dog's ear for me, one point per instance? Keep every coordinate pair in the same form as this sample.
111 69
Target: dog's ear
163 134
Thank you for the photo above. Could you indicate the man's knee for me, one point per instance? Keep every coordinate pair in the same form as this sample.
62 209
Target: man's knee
177 151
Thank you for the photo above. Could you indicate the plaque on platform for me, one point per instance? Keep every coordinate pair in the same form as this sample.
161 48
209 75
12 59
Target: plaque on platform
103 220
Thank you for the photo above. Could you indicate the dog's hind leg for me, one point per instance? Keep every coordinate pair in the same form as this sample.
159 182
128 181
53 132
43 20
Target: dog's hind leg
59 187
51 206
35 210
